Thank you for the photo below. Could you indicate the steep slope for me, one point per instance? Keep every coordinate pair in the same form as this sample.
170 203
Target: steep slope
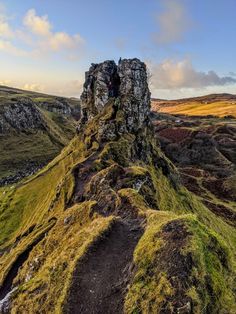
106 227
33 129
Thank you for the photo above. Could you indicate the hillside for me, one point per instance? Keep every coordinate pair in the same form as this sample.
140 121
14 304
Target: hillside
34 128
204 150
107 226
216 104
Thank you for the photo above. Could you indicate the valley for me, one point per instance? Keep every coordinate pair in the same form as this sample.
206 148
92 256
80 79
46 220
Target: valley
34 128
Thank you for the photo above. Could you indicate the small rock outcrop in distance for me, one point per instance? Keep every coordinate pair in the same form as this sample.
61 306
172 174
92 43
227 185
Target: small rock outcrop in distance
20 115
126 83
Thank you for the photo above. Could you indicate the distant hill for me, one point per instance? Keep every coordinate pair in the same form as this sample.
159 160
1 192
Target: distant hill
33 129
215 104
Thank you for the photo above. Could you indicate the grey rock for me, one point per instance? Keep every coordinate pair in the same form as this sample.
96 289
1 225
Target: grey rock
59 106
101 83
134 93
125 83
21 115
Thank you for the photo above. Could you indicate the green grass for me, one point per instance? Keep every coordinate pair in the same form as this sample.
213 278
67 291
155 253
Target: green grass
211 241
37 146
213 269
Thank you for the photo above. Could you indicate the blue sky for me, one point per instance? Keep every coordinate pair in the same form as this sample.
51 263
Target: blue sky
189 46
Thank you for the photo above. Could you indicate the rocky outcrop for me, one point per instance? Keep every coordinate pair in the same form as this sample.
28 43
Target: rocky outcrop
58 105
134 93
125 84
101 83
20 115
30 167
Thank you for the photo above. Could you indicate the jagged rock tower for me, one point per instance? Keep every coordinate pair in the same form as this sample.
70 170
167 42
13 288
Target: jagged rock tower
126 84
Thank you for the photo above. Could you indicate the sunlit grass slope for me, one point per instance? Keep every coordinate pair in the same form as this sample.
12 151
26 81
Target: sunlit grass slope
198 106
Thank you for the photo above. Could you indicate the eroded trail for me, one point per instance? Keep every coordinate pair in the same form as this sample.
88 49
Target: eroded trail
101 278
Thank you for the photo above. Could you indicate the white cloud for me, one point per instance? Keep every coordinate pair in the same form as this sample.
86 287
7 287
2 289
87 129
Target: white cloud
47 39
33 87
5 28
5 82
38 25
232 73
10 48
62 40
37 37
176 75
173 22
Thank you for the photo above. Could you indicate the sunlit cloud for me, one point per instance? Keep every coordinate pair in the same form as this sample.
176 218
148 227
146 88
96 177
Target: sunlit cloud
173 22
5 82
38 25
5 29
33 87
55 41
37 37
181 74
8 47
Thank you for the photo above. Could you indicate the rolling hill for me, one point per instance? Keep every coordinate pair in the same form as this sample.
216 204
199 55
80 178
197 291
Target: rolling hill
34 128
216 104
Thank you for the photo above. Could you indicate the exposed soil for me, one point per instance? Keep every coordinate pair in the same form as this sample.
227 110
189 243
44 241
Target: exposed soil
101 278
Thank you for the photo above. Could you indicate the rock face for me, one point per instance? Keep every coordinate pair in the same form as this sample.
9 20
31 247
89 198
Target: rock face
21 115
101 83
125 83
59 106
134 93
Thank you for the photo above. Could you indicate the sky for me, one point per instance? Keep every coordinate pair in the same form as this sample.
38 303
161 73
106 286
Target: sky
189 46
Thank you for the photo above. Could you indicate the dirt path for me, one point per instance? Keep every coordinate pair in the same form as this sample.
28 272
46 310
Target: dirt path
101 278
82 174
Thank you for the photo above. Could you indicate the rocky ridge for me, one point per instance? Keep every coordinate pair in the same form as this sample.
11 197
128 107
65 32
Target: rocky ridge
112 200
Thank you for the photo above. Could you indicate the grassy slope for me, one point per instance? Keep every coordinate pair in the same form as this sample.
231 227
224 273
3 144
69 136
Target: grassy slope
45 277
37 146
219 106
